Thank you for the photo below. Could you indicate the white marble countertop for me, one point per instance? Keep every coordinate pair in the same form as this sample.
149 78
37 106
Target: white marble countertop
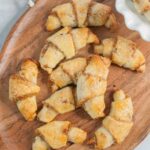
10 11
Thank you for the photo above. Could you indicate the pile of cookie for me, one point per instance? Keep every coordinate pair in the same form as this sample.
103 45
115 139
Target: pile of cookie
77 81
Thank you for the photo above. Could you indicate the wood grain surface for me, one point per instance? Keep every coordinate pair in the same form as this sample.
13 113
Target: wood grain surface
26 40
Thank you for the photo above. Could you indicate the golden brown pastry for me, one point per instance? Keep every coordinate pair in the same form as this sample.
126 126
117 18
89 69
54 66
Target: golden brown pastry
143 7
23 89
59 78
82 37
63 41
92 82
103 138
47 114
56 134
81 9
121 108
79 13
50 57
117 125
66 14
27 87
91 86
74 67
122 52
98 66
39 144
67 72
98 14
88 87
118 129
64 44
90 77
60 102
76 135
95 107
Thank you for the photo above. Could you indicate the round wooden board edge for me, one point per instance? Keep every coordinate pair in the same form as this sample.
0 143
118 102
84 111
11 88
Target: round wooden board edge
8 39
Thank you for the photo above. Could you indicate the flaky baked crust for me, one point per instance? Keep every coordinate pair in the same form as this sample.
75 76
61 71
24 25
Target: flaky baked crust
118 129
16 83
103 139
76 135
65 44
23 89
79 13
39 144
60 102
56 134
89 74
95 107
122 52
117 125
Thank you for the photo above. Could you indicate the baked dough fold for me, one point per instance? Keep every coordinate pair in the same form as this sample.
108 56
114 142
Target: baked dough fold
122 52
79 13
90 77
60 102
65 44
117 125
23 89
56 134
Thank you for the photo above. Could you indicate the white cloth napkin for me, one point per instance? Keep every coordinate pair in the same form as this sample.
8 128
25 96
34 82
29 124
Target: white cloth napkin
10 11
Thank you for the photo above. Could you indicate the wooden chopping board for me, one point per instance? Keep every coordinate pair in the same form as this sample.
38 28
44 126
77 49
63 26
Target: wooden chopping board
26 40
